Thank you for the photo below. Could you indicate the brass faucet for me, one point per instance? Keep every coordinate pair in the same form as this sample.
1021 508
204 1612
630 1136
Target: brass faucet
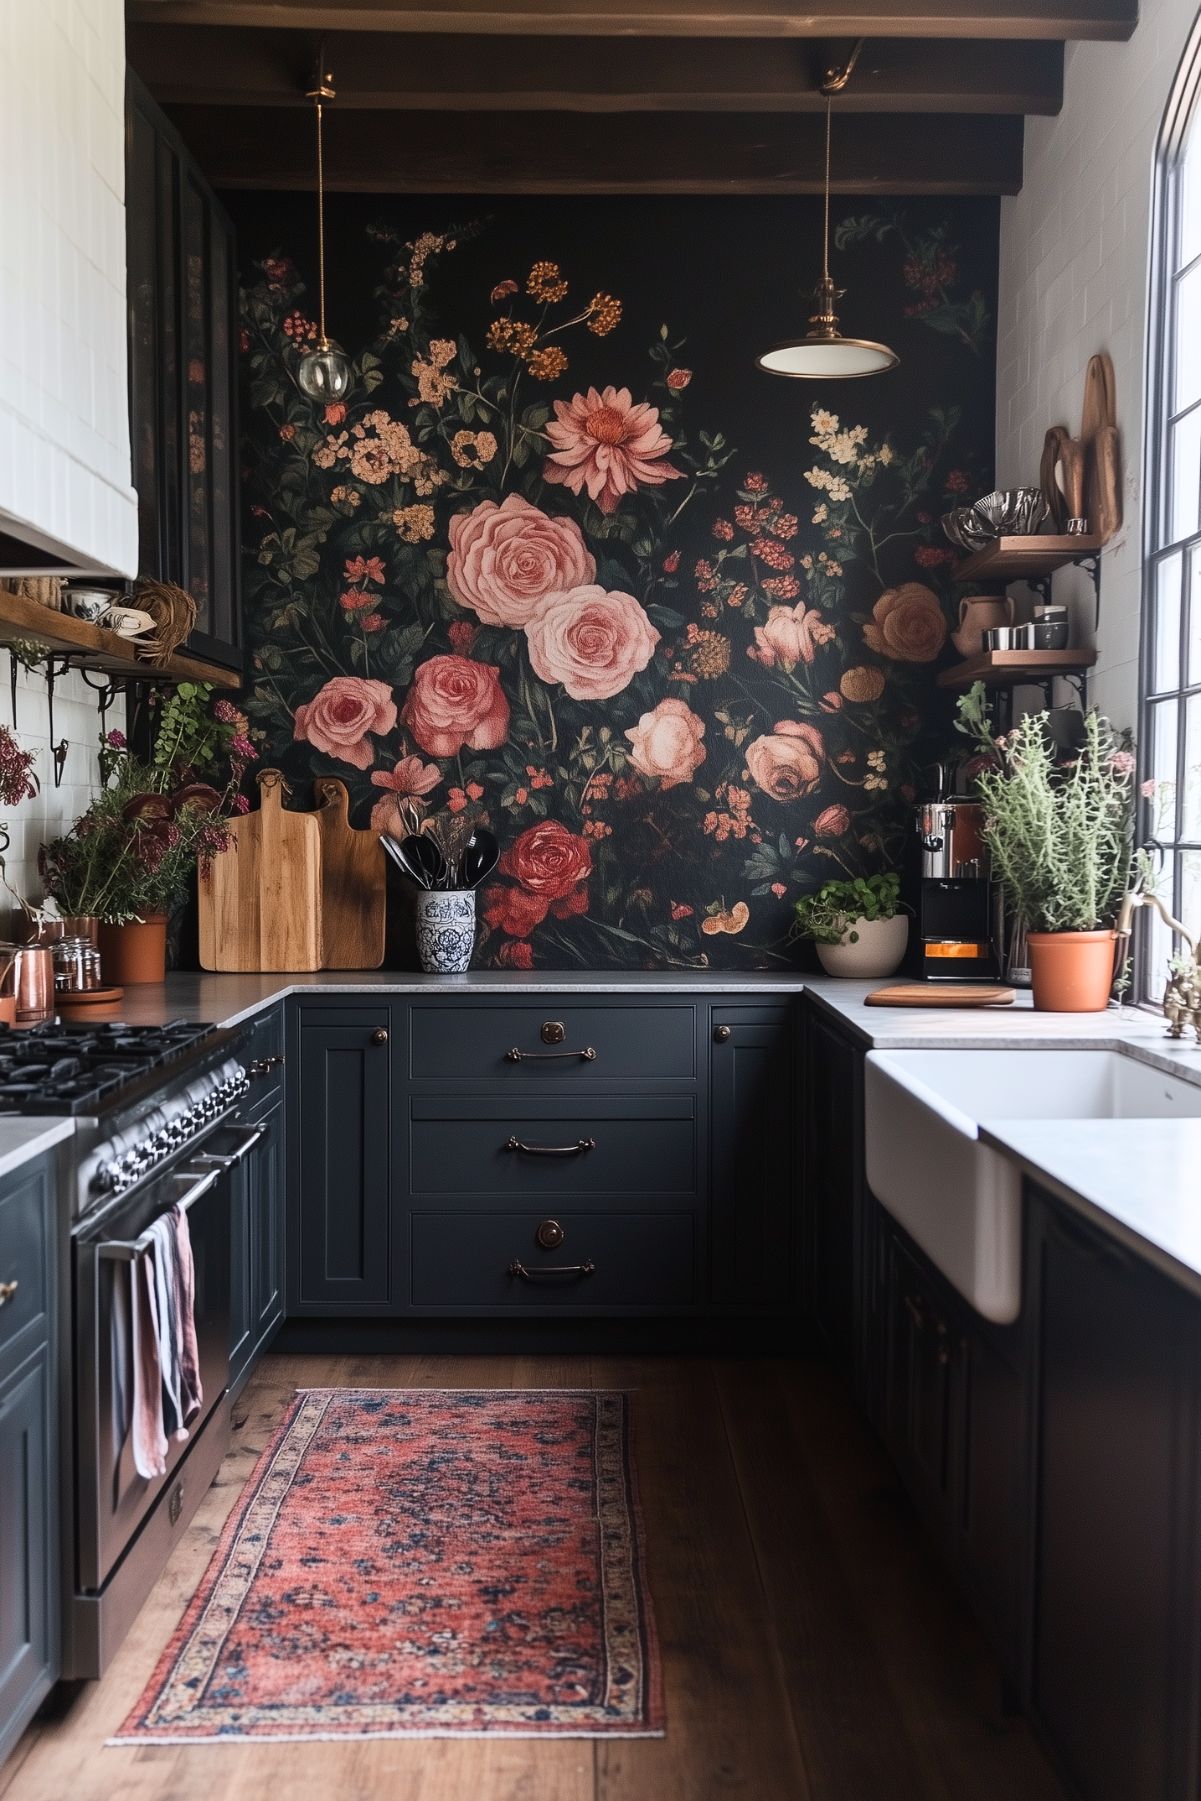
1182 996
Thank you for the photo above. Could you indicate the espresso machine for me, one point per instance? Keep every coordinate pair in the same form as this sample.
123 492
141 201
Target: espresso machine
956 904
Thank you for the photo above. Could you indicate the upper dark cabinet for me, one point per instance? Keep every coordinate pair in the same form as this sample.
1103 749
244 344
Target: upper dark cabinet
182 298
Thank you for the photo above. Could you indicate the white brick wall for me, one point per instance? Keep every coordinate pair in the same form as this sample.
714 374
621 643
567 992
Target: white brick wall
64 428
1074 262
55 809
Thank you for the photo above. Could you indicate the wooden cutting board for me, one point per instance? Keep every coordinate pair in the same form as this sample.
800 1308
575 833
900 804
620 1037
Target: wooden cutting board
260 904
1099 435
353 876
927 994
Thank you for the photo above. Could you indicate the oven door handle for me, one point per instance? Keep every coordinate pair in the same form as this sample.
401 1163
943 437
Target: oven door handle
223 1160
129 1250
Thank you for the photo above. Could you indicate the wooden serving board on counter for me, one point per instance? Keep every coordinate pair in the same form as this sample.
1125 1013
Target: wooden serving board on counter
353 880
928 994
260 904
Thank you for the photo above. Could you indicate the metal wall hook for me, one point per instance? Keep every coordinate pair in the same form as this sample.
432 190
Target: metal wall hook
58 753
58 750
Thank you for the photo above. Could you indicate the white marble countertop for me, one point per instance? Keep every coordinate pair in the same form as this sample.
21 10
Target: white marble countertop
24 1138
1140 1180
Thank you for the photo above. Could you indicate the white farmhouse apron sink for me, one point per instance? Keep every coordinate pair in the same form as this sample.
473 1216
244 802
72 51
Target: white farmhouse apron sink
958 1197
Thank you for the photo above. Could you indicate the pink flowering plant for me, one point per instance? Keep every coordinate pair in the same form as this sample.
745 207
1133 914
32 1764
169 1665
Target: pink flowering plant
517 576
136 850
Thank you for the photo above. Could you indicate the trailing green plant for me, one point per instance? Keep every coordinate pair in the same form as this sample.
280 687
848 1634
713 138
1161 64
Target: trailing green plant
829 915
1059 827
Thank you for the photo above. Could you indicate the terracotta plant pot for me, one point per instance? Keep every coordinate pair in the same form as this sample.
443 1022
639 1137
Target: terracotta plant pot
1072 972
133 953
878 950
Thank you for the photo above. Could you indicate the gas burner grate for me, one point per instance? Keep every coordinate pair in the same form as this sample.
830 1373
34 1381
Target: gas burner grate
56 1068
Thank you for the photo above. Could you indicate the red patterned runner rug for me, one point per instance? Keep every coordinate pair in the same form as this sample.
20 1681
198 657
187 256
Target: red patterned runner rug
422 1563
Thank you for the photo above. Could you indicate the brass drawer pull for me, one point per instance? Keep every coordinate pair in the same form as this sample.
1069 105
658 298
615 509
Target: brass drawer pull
517 1268
551 1150
587 1055
7 1291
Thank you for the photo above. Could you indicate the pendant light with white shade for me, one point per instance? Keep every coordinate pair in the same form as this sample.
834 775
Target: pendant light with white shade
823 353
324 371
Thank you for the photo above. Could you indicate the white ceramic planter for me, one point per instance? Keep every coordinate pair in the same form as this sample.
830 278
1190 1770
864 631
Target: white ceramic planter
878 950
446 931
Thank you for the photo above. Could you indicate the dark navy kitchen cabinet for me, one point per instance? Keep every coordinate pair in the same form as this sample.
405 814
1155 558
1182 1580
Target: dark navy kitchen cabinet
258 1228
341 1141
1114 1677
29 1507
468 1154
755 1186
833 1135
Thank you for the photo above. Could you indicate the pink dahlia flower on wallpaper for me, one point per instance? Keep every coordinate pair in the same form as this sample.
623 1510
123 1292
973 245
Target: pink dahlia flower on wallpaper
592 640
342 713
787 763
607 445
666 743
504 559
455 702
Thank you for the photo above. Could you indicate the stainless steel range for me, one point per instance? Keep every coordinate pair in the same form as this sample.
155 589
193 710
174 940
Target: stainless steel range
157 1126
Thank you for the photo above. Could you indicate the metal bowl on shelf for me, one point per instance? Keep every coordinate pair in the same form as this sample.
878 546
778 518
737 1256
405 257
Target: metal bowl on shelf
1007 512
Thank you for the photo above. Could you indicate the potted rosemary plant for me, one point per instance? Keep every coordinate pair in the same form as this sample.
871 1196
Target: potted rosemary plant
857 926
1059 828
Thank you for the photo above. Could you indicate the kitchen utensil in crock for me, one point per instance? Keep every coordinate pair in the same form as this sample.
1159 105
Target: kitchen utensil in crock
480 856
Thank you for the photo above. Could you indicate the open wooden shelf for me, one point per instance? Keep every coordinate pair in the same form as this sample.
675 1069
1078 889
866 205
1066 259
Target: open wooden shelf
95 647
1020 559
1010 668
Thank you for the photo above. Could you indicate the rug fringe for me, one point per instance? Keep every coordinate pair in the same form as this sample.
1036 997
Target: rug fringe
359 1738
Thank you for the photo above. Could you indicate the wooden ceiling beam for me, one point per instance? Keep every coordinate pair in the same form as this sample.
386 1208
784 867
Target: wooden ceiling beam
552 153
375 71
1026 19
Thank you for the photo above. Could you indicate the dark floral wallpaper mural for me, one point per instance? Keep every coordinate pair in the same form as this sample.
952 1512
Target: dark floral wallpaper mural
564 561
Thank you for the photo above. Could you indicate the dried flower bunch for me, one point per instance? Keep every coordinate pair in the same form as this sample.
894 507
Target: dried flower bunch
136 849
17 780
1059 828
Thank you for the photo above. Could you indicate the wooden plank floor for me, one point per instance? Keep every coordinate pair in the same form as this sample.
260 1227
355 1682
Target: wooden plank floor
813 1649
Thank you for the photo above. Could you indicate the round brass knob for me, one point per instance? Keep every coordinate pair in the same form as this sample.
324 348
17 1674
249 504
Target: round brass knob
379 1036
722 1034
550 1235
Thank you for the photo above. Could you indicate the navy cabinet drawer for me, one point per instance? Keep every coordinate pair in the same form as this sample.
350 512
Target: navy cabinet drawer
25 1260
470 1042
643 1261
519 1147
264 1053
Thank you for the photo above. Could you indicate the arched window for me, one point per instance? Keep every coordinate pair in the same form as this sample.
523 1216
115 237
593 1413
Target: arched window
1171 638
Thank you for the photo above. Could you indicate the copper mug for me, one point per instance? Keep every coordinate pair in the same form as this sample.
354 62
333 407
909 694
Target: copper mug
34 984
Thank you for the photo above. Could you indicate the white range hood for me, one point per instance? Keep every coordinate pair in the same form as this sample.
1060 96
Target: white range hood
67 504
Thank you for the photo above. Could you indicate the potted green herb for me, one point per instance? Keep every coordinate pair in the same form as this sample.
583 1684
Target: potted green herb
1059 829
858 925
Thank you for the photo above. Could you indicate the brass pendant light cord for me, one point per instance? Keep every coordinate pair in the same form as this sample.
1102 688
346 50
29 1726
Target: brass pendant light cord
320 228
826 219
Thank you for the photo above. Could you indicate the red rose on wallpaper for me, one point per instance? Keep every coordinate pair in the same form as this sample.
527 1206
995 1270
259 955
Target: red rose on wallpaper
592 641
787 763
678 379
504 559
908 624
606 444
342 713
454 702
551 867
666 743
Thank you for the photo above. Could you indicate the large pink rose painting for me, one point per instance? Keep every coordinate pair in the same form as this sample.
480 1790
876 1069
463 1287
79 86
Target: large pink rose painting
554 565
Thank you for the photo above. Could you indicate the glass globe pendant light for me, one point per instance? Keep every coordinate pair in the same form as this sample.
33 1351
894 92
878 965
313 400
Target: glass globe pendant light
324 371
823 353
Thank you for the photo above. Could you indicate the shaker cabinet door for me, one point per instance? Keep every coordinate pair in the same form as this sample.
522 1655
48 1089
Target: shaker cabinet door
1114 1681
754 1199
341 1252
28 1592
